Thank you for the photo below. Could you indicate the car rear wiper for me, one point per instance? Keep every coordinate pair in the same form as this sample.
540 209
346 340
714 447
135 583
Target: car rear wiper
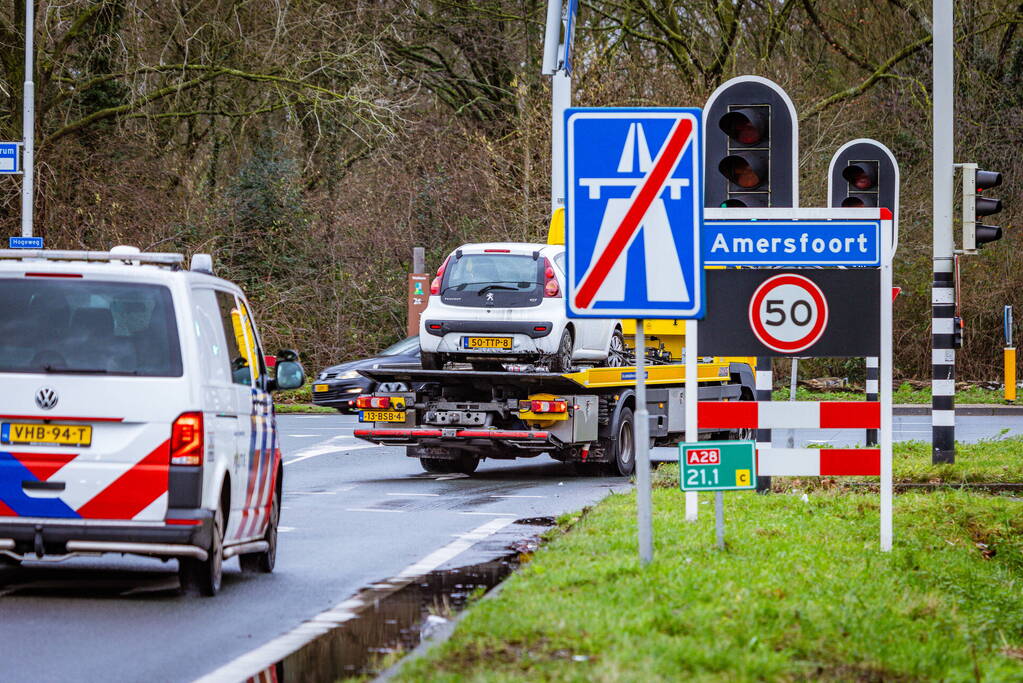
484 290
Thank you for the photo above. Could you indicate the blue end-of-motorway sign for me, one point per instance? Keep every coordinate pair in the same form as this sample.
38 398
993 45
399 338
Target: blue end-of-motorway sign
25 242
9 157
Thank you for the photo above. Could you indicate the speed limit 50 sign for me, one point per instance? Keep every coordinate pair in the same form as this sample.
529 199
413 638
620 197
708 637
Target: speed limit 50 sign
823 313
788 313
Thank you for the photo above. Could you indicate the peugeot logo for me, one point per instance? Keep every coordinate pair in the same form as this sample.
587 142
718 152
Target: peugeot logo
46 398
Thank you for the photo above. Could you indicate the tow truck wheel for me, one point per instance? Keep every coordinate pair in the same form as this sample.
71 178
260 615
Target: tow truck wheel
204 576
624 448
562 360
435 465
432 361
465 464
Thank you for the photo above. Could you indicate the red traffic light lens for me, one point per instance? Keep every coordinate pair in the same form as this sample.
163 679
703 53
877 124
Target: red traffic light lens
859 201
860 176
747 173
745 126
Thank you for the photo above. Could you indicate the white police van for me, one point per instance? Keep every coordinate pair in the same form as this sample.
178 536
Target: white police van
135 415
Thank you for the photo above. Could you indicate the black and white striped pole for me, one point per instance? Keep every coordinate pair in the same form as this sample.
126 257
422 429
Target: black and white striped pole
943 355
864 173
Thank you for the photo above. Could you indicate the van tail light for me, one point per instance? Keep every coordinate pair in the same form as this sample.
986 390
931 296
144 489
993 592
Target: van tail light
550 285
186 442
435 285
373 402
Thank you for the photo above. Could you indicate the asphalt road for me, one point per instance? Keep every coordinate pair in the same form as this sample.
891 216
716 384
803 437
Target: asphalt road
353 514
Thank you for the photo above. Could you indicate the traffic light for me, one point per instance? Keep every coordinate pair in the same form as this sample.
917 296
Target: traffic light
864 173
975 181
750 146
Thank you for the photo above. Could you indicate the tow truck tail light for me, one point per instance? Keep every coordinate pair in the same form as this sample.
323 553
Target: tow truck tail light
435 285
186 442
544 406
550 285
373 402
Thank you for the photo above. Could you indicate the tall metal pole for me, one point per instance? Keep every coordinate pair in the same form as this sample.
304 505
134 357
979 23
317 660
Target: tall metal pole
28 119
692 396
943 355
641 451
561 99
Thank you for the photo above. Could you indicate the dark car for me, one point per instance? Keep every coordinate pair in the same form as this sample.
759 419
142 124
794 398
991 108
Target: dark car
339 385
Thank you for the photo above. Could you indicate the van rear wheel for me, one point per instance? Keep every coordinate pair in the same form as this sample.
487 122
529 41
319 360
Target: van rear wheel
203 577
263 562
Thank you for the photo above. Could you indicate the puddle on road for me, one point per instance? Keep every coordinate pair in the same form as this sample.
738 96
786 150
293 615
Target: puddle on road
391 621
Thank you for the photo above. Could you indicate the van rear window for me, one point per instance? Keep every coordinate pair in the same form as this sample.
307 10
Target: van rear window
88 327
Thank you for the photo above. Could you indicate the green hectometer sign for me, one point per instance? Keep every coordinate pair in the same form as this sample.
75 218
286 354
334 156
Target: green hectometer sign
718 465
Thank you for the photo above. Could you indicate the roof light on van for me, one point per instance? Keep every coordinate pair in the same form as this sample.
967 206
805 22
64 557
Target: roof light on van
186 442
201 263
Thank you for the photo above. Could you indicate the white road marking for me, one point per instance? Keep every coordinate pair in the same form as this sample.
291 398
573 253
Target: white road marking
446 477
371 510
313 493
285 529
301 436
330 447
252 663
412 494
518 496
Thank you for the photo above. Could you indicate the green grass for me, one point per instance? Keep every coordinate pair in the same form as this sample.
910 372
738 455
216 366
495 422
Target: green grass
302 408
904 394
801 593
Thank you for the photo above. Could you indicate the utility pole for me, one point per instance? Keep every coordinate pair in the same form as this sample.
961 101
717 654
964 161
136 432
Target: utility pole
557 63
28 119
943 355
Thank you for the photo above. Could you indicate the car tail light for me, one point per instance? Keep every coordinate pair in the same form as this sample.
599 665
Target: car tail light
545 406
550 285
186 442
373 402
435 285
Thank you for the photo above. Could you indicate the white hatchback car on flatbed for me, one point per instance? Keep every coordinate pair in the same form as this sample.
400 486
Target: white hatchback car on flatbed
136 415
503 302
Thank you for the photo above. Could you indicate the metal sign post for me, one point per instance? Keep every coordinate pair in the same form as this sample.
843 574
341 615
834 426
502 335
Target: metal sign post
634 207
717 466
28 123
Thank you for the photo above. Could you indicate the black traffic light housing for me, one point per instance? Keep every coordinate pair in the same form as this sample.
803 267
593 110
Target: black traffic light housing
751 139
864 173
975 181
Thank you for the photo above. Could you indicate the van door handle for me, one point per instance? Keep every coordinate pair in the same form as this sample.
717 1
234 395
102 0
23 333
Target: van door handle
42 485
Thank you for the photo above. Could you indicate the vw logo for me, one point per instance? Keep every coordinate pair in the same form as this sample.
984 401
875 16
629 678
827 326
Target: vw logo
46 398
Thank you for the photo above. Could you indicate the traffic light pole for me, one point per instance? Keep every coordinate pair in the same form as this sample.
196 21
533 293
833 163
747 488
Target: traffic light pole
943 355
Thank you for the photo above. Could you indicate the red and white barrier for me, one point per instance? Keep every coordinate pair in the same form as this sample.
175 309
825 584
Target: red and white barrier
819 462
789 415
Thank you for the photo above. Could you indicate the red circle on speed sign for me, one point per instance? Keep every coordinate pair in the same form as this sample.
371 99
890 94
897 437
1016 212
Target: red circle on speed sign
788 313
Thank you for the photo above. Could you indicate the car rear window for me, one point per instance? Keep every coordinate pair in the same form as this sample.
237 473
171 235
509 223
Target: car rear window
500 280
88 327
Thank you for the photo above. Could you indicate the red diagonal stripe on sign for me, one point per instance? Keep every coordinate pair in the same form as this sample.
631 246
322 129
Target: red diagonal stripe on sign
652 186
133 491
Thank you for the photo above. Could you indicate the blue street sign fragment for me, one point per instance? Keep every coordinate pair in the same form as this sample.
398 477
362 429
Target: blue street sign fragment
24 242
791 243
9 157
634 207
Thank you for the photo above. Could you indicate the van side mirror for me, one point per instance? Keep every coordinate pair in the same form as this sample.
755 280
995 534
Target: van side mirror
290 375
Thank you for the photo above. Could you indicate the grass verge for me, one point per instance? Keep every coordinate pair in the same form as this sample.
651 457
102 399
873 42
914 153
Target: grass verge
801 593
905 393
283 408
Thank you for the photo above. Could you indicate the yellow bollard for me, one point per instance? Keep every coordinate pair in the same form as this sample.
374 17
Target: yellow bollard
1010 374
